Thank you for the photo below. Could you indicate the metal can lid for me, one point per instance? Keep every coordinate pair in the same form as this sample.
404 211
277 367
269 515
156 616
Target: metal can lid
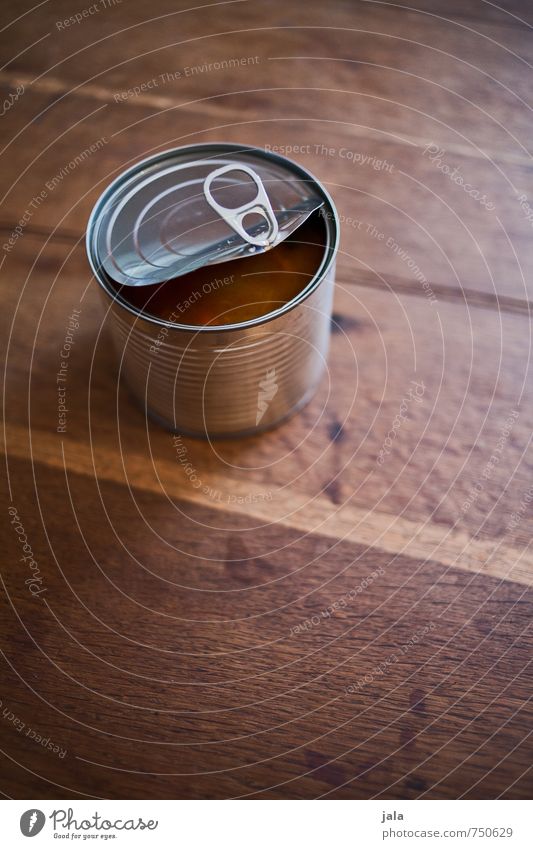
179 211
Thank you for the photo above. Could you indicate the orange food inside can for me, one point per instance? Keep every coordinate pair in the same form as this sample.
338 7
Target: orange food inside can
239 290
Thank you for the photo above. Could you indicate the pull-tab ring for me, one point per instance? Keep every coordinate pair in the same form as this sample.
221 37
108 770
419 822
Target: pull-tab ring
260 205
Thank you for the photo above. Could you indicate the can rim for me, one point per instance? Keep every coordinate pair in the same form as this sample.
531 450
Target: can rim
332 227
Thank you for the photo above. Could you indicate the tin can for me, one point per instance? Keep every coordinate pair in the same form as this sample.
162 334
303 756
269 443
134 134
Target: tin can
153 222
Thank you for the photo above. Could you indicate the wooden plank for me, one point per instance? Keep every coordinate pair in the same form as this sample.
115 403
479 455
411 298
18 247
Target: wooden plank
292 509
403 216
448 82
173 690
342 607
511 13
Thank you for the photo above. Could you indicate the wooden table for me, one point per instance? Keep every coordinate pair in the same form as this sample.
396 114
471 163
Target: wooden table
325 620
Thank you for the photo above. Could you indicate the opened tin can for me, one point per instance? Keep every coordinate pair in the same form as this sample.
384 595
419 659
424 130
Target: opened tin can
216 263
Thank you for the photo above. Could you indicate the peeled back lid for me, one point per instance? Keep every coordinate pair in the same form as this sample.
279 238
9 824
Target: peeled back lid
181 211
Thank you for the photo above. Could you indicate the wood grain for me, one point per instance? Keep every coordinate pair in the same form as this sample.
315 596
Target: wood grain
225 682
385 182
307 621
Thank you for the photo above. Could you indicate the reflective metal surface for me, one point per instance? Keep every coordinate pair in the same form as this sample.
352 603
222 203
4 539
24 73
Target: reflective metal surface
233 380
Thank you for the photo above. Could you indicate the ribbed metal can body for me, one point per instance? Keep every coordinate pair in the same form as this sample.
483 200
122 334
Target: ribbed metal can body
227 382
230 380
